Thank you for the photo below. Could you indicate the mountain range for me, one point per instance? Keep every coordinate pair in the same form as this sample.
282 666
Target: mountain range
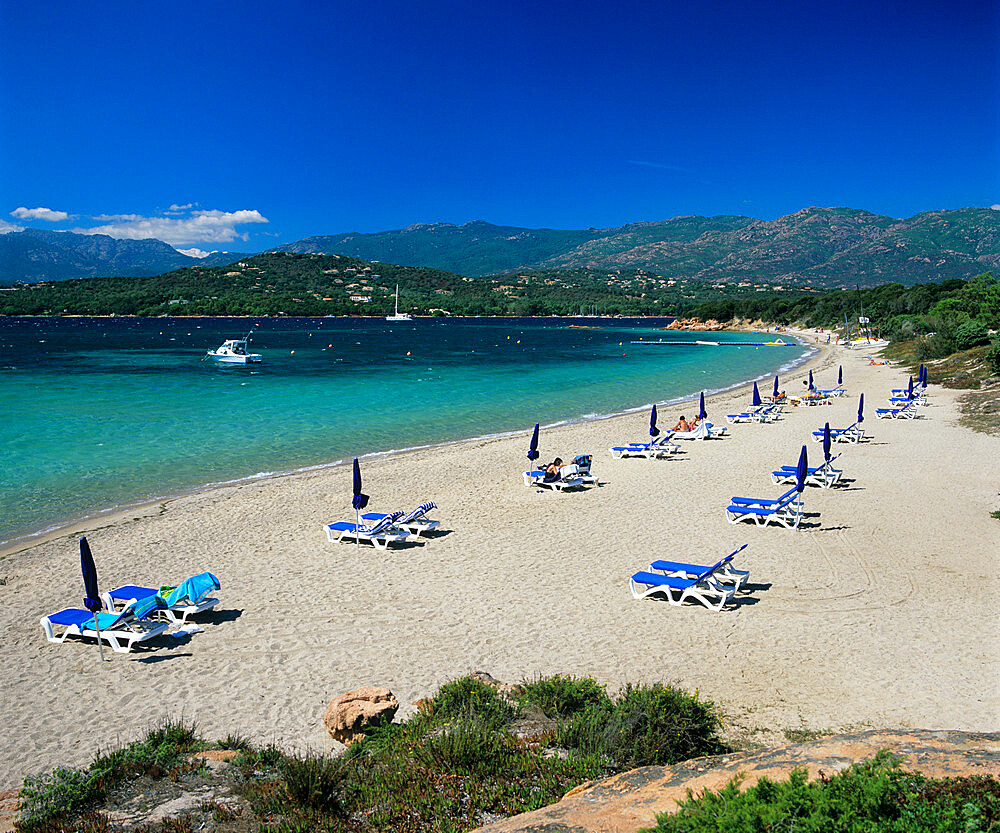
814 246
38 254
817 246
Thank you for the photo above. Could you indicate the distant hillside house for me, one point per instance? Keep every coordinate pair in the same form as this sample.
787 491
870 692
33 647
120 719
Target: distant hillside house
362 299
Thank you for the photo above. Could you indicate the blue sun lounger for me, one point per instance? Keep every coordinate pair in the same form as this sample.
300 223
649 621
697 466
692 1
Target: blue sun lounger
785 510
723 571
567 478
907 411
120 630
823 476
657 448
188 598
380 534
704 588
852 434
415 521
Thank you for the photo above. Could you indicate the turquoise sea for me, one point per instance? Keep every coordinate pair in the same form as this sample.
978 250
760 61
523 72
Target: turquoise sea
103 412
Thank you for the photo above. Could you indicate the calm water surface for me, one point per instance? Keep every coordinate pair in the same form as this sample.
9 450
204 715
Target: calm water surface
100 412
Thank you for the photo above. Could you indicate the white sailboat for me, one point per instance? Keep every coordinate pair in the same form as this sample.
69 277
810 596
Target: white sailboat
398 316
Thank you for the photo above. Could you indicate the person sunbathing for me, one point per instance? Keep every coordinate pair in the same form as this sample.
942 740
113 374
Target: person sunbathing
552 470
682 425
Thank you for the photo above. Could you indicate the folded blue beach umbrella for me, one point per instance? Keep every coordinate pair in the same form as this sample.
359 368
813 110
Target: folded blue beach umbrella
92 598
702 413
653 430
774 390
840 375
923 378
756 396
810 380
533 446
827 442
359 501
861 408
801 470
909 389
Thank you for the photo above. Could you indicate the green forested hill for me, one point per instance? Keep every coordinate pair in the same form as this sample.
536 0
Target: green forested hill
283 283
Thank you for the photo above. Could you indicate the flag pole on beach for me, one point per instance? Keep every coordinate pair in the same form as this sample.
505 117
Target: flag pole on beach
359 502
92 598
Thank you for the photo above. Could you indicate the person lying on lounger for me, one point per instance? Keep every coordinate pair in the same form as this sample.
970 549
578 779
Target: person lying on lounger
552 470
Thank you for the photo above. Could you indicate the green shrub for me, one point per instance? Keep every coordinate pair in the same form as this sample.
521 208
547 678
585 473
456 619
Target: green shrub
314 781
561 696
869 797
647 725
993 357
468 697
935 347
464 744
971 334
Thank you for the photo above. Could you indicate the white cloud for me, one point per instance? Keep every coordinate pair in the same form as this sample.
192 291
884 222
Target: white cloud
6 228
185 207
39 213
195 252
198 227
995 206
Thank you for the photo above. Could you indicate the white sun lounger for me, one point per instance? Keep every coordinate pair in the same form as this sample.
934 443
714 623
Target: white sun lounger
852 434
415 521
568 479
823 476
189 598
704 431
657 448
120 630
704 588
785 510
723 571
380 534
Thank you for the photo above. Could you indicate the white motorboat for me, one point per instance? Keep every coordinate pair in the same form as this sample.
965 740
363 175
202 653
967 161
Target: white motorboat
234 351
398 316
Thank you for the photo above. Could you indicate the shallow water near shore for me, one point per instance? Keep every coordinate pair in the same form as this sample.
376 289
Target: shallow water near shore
104 412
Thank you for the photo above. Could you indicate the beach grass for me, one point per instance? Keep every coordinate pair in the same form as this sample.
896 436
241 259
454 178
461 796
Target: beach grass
876 796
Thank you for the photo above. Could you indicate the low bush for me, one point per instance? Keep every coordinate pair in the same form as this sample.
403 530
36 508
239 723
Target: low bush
468 697
561 696
872 797
647 725
314 781
971 334
993 357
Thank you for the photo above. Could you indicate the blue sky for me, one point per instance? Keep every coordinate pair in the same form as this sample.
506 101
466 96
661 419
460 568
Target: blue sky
239 126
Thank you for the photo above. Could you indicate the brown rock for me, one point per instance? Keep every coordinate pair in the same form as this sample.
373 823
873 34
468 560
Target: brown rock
217 754
629 801
347 716
9 805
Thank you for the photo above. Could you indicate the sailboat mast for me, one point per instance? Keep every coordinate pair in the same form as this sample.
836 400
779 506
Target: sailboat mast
397 299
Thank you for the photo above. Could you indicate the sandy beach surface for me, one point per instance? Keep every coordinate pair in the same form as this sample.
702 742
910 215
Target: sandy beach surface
882 611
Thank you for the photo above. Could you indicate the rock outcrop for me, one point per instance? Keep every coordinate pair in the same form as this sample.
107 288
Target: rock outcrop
347 716
631 800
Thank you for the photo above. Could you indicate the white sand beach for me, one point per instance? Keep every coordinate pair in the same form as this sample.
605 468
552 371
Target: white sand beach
882 611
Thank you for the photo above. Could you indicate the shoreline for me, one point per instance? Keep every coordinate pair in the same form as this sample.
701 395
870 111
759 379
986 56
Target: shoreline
99 517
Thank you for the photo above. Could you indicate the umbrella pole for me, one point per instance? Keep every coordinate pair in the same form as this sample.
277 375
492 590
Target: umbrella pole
100 647
357 532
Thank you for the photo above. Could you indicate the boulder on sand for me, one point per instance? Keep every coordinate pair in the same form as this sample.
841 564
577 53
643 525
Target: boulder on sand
348 715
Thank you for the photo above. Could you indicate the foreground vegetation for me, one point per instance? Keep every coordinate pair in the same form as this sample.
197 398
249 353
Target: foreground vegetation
469 756
873 797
